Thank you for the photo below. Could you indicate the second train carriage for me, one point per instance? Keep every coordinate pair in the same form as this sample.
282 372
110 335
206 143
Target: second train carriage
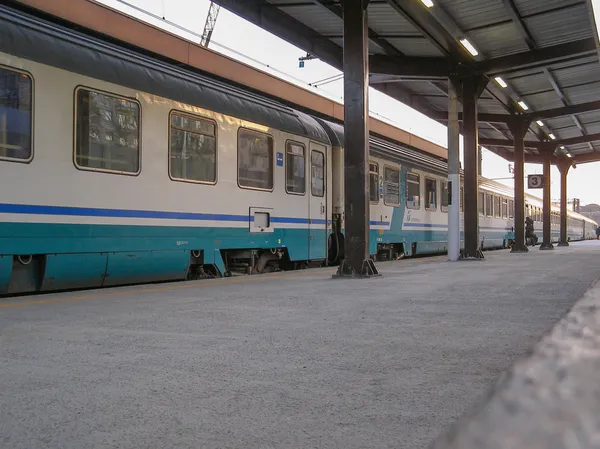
122 168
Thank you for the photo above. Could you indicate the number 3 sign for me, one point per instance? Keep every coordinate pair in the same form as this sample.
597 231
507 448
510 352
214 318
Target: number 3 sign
535 181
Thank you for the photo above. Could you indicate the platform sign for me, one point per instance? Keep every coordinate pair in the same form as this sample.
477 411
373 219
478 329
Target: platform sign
535 181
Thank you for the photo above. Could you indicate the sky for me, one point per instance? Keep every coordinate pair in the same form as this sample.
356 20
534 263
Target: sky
248 43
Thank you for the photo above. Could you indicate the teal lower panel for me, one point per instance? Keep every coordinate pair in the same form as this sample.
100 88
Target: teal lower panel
151 266
431 247
317 244
46 238
65 271
6 265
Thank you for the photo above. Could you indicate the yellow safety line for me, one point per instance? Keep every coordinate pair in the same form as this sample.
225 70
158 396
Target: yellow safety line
190 284
125 291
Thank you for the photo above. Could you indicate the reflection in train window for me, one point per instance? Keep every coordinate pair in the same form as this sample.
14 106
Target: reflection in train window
193 149
504 208
413 191
511 208
318 173
108 133
391 186
374 182
444 196
295 168
481 203
489 205
430 194
497 206
255 160
15 116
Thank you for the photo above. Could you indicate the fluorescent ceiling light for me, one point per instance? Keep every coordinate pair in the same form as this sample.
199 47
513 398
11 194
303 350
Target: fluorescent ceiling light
469 46
501 82
427 3
523 105
552 136
540 123
569 155
562 147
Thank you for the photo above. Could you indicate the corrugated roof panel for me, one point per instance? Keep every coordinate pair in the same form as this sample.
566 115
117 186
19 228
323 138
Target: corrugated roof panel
579 74
316 17
385 20
498 40
592 128
529 7
582 94
579 148
490 107
559 122
568 133
474 13
560 26
529 83
424 88
589 117
373 48
542 100
415 46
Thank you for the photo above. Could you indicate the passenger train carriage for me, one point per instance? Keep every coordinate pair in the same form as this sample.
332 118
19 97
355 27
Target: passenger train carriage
118 168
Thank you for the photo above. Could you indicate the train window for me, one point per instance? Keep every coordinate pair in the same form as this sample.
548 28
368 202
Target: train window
255 160
295 168
193 149
511 208
430 194
391 186
16 118
489 204
481 203
108 133
444 196
374 182
317 160
413 191
497 206
504 208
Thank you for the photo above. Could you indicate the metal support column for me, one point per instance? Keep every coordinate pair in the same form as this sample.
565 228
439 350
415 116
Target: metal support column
547 206
357 261
518 128
564 167
453 174
471 90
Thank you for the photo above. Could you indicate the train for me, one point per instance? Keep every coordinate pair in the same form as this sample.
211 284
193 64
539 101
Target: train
119 167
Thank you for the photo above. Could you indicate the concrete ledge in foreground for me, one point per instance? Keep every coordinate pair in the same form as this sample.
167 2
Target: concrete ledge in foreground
549 399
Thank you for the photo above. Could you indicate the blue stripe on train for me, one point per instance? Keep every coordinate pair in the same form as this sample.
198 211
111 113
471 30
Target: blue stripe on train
31 209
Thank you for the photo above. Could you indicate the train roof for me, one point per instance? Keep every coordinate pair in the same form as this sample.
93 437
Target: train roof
387 149
48 43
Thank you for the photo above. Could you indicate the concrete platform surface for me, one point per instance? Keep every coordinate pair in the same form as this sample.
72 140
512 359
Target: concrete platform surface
291 360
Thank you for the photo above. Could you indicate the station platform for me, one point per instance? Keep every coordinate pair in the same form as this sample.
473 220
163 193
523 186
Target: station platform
288 360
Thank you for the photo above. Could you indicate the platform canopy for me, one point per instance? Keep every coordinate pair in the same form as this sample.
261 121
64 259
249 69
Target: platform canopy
540 58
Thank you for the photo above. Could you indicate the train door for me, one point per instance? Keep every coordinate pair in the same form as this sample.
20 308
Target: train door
317 238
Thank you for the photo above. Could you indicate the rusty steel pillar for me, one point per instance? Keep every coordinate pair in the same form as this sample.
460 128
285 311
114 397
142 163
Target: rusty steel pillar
518 127
356 261
547 203
563 166
472 88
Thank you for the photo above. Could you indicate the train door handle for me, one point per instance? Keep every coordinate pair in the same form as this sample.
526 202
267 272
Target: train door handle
322 209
